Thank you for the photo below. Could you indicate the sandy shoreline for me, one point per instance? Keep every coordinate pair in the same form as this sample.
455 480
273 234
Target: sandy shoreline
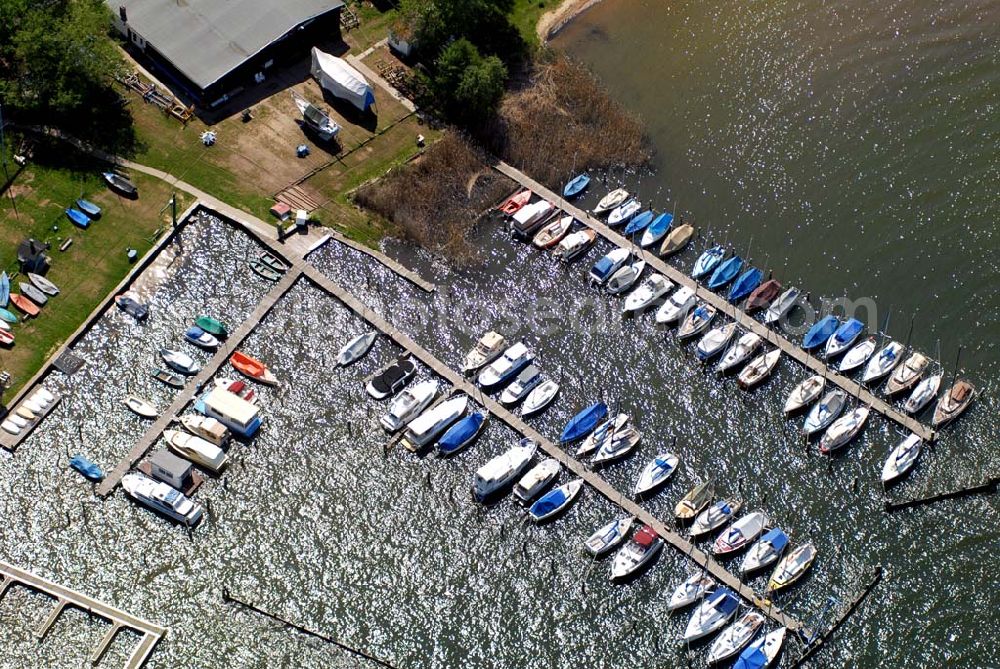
556 19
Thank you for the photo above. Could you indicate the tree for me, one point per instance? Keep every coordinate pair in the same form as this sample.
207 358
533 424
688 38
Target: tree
485 23
468 85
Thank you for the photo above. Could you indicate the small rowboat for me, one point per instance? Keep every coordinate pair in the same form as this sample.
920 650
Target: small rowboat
356 349
141 407
179 361
89 208
36 296
609 536
611 201
43 284
510 206
78 218
575 186
805 393
263 271
87 468
6 337
792 568
273 261
759 369
4 289
198 337
170 379
677 239
212 326
7 316
954 402
132 307
552 233
252 368
24 304
121 184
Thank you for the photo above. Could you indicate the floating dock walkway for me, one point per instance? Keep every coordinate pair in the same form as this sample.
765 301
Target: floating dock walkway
151 634
774 337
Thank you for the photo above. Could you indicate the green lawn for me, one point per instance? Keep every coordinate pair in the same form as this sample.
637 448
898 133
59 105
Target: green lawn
525 16
95 261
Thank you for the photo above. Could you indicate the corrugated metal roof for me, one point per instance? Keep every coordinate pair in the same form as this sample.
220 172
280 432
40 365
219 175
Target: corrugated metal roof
206 39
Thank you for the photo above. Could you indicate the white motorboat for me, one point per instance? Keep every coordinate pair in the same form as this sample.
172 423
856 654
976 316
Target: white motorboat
428 426
504 368
711 615
805 393
902 458
781 306
624 212
677 306
486 350
502 470
198 337
206 427
762 653
656 473
636 554
611 200
715 516
906 375
537 479
697 321
179 361
608 536
740 352
316 119
765 552
162 498
525 382
925 391
883 363
392 379
531 216
759 368
735 638
740 534
600 433
539 398
690 591
575 244
356 349
857 356
199 451
625 277
141 407
822 415
648 292
608 265
715 340
843 430
408 404
617 445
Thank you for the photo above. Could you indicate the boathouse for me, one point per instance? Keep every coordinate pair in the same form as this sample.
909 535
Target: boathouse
212 50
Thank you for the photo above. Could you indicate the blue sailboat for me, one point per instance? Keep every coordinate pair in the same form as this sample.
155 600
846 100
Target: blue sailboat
576 185
708 261
89 208
89 470
461 434
746 284
555 501
844 337
639 222
820 332
580 425
5 293
657 229
79 218
725 272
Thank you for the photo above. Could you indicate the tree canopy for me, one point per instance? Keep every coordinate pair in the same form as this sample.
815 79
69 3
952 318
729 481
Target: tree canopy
468 84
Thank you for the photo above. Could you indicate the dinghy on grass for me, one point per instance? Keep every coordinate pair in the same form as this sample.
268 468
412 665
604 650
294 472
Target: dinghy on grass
88 207
43 284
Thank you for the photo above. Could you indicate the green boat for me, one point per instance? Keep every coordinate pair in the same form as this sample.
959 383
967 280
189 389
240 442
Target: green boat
273 261
265 271
212 326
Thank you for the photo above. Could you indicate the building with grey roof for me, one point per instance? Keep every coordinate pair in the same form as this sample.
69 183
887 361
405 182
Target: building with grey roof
213 48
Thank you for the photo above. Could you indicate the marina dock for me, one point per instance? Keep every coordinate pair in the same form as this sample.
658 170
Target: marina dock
150 633
723 306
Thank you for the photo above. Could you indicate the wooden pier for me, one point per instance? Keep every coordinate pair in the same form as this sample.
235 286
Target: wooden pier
151 634
723 306
194 384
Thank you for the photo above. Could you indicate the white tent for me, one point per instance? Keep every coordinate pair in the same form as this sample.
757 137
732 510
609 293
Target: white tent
342 80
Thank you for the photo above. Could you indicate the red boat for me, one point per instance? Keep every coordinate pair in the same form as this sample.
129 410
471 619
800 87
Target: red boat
6 337
515 202
763 295
24 304
252 368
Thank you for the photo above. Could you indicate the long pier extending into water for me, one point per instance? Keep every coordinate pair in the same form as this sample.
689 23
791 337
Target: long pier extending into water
151 633
723 306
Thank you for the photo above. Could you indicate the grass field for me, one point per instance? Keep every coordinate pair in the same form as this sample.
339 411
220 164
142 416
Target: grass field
94 263
525 16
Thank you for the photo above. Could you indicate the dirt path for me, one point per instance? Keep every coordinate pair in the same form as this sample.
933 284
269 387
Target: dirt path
554 20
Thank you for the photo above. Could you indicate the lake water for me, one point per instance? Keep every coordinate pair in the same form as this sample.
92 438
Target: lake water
856 145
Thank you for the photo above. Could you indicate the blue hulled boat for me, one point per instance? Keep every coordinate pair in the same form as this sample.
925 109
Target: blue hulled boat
461 434
707 261
89 208
639 222
746 284
820 332
657 229
580 425
725 272
576 185
79 218
89 470
5 292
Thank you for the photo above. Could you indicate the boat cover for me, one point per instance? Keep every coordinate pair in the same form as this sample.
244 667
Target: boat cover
646 536
752 658
342 80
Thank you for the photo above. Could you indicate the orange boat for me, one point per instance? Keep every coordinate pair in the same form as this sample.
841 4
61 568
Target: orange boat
252 368
515 202
24 304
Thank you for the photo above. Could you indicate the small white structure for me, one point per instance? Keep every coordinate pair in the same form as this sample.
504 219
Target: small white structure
343 81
